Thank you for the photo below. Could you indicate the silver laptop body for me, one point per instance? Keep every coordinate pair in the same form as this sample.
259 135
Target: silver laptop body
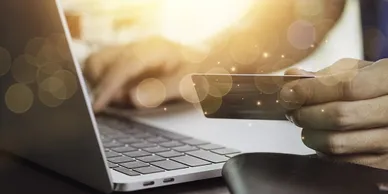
46 114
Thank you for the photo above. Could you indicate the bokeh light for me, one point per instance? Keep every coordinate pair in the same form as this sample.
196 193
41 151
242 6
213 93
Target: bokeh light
19 98
194 93
309 7
70 82
347 71
55 86
151 93
301 34
23 70
266 85
211 104
47 70
47 97
34 46
61 45
222 84
49 51
5 61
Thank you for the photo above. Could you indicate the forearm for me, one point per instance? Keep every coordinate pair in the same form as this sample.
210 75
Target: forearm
274 35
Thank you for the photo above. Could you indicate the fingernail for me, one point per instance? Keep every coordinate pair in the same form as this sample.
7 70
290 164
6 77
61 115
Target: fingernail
289 118
306 72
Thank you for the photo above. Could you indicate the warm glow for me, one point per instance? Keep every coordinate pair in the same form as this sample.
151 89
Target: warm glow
193 21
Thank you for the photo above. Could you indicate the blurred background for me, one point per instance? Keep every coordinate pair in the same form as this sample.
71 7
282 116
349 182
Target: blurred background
95 24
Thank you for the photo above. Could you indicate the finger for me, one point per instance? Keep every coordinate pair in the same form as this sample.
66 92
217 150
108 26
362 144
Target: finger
295 71
366 83
97 63
354 115
371 160
344 65
371 141
126 70
334 69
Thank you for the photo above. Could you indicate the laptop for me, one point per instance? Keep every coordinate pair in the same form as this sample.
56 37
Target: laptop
46 115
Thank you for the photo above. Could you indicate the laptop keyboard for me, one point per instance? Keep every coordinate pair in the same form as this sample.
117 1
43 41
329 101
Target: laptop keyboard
136 149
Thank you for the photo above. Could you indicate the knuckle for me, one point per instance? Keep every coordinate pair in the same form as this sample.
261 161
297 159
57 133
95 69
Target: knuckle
346 89
341 116
335 144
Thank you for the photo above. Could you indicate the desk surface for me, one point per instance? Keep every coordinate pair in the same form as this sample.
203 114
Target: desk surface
21 177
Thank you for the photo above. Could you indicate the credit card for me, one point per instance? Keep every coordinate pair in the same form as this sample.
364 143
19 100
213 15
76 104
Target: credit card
248 96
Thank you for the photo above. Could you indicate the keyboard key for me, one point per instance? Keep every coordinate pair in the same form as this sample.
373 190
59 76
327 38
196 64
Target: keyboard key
210 147
195 142
156 149
136 154
148 170
157 140
170 154
171 144
112 154
233 155
127 171
113 144
152 158
129 140
209 156
143 135
111 165
143 145
115 135
106 140
169 165
124 149
191 161
225 151
185 148
121 159
132 131
173 136
135 164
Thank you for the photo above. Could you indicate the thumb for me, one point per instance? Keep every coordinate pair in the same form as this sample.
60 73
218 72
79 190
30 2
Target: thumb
302 72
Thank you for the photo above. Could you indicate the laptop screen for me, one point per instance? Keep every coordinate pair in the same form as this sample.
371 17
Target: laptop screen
44 114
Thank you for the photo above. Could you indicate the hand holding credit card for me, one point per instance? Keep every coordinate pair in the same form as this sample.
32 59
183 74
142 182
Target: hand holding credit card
251 96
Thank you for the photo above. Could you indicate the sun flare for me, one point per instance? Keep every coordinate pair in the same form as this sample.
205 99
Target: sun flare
194 21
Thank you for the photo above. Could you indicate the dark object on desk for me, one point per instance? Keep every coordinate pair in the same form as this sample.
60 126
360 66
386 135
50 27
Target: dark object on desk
263 173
